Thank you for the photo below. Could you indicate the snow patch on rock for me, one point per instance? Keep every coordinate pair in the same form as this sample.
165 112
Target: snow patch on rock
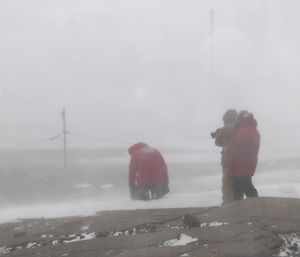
291 244
83 185
183 240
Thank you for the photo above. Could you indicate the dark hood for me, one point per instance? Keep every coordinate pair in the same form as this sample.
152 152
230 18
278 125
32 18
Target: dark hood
135 147
229 116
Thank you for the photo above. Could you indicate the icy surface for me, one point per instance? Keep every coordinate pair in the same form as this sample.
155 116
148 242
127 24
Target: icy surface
83 185
214 224
183 240
291 244
86 237
4 250
190 186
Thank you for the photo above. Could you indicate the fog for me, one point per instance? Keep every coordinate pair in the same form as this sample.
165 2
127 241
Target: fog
134 70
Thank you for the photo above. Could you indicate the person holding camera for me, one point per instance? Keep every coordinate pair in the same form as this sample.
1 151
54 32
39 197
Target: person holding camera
222 138
148 173
243 152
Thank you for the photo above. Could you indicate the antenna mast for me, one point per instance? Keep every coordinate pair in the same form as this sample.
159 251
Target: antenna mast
63 114
211 57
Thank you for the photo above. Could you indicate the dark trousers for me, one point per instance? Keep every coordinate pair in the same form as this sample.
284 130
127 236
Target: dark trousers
243 185
147 192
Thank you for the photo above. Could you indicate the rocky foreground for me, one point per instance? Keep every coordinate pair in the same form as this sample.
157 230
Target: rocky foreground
251 227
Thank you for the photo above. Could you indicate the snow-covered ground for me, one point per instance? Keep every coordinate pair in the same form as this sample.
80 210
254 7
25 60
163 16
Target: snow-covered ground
101 184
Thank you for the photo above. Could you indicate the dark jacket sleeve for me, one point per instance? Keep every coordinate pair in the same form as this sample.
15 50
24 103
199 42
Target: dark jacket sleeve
133 168
219 141
240 143
164 170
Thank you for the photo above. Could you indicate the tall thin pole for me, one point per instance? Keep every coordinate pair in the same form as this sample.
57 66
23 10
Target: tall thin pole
211 57
63 114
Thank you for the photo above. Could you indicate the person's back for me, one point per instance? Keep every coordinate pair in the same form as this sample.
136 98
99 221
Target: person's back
246 142
225 133
243 152
147 171
222 139
148 162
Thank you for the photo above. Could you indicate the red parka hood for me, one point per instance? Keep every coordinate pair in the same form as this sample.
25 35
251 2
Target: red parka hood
248 121
135 147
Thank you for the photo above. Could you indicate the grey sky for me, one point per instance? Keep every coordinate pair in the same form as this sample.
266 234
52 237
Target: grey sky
140 69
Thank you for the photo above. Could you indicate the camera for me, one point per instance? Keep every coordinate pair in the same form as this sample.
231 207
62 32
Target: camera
214 134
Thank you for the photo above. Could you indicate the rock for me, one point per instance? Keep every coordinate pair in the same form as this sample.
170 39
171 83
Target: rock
254 227
294 248
17 235
102 234
191 221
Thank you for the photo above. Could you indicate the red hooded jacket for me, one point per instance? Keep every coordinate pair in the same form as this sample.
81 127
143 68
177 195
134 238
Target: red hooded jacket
149 164
244 149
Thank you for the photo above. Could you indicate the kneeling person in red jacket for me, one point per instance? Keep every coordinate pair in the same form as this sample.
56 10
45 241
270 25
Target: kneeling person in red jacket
243 153
148 173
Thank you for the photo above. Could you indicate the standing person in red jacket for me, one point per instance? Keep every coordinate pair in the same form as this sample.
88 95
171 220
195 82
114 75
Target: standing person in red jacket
243 153
148 173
